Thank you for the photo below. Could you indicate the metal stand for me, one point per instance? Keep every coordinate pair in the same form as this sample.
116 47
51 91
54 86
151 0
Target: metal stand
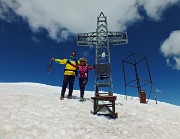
134 60
110 106
101 39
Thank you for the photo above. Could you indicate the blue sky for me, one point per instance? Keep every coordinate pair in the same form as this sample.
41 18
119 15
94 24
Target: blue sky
33 32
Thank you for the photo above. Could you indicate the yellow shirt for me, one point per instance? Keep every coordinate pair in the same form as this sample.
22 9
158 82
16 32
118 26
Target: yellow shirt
69 70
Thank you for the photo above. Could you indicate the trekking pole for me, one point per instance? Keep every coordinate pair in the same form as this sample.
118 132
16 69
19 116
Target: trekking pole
49 66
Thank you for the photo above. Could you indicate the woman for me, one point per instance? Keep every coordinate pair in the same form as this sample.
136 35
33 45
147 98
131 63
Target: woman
83 69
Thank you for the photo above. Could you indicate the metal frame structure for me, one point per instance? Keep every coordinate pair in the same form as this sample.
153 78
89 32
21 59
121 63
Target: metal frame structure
102 39
133 60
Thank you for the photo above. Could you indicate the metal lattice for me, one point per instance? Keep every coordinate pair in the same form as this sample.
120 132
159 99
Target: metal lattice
133 61
102 39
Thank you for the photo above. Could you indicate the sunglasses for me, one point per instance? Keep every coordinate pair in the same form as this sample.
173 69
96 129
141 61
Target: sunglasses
82 61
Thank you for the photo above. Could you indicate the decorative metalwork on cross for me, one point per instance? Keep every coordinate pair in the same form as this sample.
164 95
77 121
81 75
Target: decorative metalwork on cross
102 39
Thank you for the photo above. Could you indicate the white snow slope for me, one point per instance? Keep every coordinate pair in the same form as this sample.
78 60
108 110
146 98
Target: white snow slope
34 111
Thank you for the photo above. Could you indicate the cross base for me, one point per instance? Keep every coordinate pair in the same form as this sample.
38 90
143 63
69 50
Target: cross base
110 106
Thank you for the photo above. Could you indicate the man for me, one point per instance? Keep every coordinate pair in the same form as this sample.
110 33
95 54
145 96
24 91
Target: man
69 74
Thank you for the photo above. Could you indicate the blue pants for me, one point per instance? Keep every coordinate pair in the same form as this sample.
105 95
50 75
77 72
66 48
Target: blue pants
82 84
68 79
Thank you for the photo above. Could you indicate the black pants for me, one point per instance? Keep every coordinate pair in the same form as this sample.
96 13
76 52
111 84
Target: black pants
68 79
82 84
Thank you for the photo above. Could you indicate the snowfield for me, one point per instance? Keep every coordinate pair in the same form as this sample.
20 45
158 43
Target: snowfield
34 111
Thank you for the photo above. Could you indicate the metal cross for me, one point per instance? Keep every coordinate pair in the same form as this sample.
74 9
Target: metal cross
102 39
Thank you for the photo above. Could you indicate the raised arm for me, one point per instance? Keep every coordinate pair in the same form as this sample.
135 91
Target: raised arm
61 61
76 66
90 68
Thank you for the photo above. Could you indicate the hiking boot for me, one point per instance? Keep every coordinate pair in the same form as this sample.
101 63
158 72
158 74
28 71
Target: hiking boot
69 97
61 98
81 99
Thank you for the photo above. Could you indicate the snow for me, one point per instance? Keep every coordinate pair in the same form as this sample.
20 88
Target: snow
34 111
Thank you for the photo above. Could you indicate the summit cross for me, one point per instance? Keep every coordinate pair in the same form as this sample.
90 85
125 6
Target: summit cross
102 39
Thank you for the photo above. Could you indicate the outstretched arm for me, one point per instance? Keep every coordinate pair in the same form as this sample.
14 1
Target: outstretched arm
61 61
76 66
90 68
